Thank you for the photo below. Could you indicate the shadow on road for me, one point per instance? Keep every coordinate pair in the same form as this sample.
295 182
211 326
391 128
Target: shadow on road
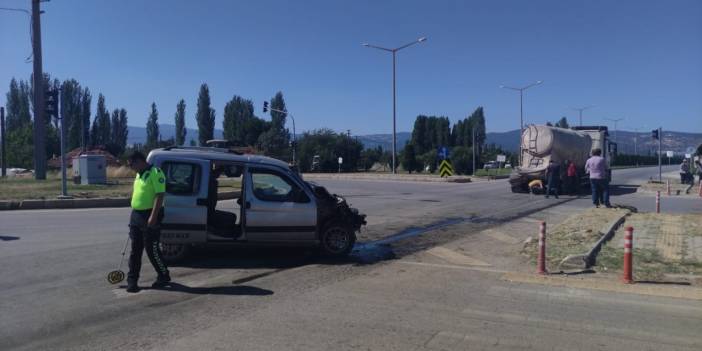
618 190
213 290
217 290
238 257
8 238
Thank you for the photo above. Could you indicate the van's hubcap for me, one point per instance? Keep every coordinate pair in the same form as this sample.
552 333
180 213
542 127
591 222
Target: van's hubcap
337 239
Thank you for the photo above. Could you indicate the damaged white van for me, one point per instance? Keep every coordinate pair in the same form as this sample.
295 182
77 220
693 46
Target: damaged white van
271 204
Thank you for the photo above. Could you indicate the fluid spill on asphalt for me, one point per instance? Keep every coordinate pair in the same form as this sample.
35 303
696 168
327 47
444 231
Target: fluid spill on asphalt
381 249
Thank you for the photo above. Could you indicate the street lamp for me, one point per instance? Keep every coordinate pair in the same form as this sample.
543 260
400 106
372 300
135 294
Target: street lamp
521 100
580 111
394 123
521 111
615 120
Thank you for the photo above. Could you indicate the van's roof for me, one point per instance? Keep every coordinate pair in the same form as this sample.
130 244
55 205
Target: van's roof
216 154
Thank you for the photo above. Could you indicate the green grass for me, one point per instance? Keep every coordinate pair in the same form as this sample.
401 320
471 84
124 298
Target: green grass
24 189
30 189
493 172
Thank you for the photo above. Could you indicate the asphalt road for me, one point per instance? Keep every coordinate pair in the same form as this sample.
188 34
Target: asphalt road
54 293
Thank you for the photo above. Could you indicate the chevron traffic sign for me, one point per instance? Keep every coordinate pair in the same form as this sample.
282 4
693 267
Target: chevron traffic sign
445 169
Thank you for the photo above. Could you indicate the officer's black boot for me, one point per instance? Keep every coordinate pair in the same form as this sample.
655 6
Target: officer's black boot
132 286
161 280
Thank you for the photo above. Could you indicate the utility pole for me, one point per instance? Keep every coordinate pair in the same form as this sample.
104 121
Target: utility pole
660 147
615 120
39 112
394 108
580 113
3 145
521 111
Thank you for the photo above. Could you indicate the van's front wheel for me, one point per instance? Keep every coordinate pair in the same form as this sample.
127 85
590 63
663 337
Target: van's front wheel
337 240
175 252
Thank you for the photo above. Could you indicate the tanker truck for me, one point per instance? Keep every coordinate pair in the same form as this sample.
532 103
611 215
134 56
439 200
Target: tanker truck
540 144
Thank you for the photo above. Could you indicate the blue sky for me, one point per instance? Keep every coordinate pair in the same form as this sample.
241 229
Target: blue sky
637 60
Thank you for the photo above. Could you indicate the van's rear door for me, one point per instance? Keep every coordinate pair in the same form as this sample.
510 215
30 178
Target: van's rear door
185 203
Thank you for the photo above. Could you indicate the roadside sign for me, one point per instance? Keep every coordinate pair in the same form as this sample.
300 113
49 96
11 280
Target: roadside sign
670 153
501 158
341 160
443 153
445 169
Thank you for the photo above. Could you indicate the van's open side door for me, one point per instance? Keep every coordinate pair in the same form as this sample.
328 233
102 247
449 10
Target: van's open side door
185 203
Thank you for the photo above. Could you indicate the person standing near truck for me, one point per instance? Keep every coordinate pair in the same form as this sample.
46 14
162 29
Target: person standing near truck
145 221
571 176
553 176
596 167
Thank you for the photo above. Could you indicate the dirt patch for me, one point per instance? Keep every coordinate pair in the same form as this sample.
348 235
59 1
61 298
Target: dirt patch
667 247
574 236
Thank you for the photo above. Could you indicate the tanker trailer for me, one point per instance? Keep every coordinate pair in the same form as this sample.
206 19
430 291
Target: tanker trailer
541 144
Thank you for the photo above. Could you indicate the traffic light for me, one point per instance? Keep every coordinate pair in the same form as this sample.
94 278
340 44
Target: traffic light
654 134
52 103
265 106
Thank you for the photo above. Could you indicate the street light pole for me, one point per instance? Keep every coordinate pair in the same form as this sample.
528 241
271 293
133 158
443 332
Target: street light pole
521 111
394 105
39 111
580 112
615 120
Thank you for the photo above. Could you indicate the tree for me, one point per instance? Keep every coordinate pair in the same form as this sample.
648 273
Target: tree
278 118
180 131
86 100
409 159
462 159
562 123
329 146
238 123
100 132
152 132
205 115
477 121
274 142
70 101
17 105
430 133
120 131
549 124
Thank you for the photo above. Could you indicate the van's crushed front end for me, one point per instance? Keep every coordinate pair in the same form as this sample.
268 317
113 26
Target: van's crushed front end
334 208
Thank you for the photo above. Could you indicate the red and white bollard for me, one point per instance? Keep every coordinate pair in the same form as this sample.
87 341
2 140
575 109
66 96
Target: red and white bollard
627 276
541 261
658 202
667 186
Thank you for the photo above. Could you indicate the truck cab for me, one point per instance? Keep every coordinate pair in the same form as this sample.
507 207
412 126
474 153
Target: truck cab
266 203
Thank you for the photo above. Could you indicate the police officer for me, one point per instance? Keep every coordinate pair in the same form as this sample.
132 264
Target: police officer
145 221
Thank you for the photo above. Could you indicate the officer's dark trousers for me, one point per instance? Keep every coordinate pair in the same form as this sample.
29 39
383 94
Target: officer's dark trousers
144 238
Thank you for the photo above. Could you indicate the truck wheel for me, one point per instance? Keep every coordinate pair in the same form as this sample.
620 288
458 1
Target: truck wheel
337 240
175 252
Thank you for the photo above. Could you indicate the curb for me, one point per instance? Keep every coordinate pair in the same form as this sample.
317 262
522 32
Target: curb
682 292
52 204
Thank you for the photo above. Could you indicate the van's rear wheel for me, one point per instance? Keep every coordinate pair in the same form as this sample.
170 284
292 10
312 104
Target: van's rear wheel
175 252
337 240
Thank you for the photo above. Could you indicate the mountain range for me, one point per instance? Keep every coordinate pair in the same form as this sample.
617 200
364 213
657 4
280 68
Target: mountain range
628 142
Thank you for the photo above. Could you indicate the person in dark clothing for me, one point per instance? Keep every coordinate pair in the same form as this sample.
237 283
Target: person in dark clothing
572 178
553 177
145 221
